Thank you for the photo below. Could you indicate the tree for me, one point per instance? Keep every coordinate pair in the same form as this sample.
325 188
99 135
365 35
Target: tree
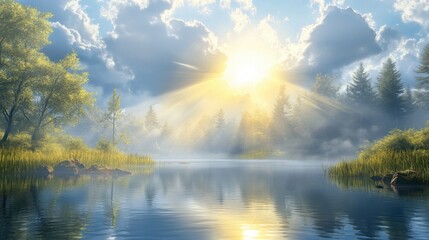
60 96
220 120
390 89
359 90
408 99
423 78
151 120
279 119
114 113
325 85
23 32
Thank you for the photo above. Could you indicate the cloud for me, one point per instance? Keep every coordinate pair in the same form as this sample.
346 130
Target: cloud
341 37
388 37
413 11
149 47
240 20
72 17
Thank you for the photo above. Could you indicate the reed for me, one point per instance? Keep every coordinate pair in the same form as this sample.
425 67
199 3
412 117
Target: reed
383 162
14 160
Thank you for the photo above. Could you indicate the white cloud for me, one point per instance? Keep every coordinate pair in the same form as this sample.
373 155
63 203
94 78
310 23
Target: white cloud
246 5
413 11
84 24
225 4
239 19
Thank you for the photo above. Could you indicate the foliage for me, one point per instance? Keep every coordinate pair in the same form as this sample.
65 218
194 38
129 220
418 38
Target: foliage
423 78
400 150
281 115
23 32
359 91
151 120
18 160
59 95
113 114
105 145
423 69
390 89
325 85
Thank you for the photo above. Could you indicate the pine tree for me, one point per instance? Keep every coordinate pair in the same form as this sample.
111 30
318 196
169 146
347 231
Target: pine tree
220 120
423 79
114 112
359 90
151 120
390 89
325 85
279 118
408 99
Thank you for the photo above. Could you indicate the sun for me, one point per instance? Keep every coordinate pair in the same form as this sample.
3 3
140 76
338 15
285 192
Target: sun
247 69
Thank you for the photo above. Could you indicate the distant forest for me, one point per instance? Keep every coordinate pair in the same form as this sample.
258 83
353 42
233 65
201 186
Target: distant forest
39 98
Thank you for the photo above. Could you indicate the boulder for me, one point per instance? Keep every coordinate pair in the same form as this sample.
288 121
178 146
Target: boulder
70 168
119 172
44 171
407 177
78 164
387 178
376 178
67 168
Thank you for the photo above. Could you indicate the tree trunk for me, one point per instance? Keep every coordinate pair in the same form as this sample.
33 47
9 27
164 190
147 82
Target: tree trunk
113 132
9 125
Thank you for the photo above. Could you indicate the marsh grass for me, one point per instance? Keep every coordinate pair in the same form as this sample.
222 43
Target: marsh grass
400 150
15 160
383 162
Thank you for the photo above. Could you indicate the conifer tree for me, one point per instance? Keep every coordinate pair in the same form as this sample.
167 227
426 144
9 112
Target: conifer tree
390 90
359 90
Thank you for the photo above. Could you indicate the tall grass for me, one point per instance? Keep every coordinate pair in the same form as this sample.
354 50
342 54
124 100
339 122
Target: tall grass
15 160
383 162
400 150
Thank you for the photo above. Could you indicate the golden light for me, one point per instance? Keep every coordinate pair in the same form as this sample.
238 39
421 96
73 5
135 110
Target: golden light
247 69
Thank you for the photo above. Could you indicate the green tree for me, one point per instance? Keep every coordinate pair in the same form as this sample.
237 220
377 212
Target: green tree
409 102
114 113
279 119
423 79
23 32
325 85
60 95
390 89
359 90
151 120
220 120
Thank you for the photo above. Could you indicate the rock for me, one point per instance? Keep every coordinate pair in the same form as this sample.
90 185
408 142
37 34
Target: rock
379 186
387 178
376 178
67 168
78 164
44 171
407 177
117 172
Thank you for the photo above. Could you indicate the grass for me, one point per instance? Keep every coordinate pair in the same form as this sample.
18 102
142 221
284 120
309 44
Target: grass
14 160
400 150
381 163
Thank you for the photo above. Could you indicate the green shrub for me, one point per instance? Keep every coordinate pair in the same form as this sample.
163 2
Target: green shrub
105 145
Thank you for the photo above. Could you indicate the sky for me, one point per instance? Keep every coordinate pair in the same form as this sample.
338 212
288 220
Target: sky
150 48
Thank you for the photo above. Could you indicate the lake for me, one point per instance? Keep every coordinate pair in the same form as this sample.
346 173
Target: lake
212 199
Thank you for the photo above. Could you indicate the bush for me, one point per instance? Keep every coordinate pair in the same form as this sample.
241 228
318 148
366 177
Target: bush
105 145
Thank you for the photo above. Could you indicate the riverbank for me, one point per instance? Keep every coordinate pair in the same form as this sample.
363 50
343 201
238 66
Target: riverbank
14 160
398 151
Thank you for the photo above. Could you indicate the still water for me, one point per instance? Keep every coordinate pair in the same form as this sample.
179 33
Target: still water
225 199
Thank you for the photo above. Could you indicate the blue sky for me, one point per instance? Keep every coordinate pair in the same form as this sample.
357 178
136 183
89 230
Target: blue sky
147 48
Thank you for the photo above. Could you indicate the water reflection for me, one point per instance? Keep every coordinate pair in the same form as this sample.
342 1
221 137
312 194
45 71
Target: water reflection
216 200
